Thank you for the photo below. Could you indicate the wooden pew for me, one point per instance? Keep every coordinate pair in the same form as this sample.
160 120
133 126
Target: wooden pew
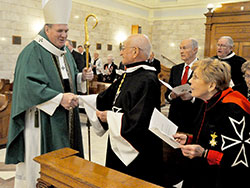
5 85
96 87
5 109
164 75
62 169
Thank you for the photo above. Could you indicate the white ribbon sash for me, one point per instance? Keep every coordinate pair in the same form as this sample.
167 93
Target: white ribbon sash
54 50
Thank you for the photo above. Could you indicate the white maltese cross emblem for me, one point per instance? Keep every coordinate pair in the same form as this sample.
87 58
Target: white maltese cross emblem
228 142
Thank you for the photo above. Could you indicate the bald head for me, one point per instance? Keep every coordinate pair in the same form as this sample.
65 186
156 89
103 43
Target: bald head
142 42
136 48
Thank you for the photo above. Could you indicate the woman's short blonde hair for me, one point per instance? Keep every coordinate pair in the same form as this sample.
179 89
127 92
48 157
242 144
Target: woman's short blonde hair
245 66
214 70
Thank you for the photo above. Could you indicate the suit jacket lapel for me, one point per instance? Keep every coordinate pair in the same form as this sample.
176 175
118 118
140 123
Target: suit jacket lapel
179 73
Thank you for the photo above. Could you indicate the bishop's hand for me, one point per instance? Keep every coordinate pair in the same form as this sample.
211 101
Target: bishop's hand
69 101
87 74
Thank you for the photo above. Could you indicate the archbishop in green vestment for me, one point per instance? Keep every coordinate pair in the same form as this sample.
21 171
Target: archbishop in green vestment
38 80
45 75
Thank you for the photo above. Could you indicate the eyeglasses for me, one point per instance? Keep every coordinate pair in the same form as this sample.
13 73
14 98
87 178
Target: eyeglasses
123 48
246 76
222 46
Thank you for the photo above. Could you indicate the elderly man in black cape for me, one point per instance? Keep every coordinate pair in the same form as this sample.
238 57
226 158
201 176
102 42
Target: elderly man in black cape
125 108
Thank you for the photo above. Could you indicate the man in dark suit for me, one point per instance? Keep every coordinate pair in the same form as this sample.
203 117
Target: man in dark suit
155 63
183 109
83 53
76 55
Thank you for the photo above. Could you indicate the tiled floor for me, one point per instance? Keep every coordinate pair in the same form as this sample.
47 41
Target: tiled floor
98 152
98 144
7 172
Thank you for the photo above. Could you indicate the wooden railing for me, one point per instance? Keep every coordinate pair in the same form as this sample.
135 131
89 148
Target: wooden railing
164 75
164 57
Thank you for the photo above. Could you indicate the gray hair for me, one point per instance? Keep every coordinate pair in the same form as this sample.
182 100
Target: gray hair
111 56
146 48
194 43
245 66
229 40
49 25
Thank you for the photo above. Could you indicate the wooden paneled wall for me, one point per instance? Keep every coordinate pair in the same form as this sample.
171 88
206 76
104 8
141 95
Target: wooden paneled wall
232 19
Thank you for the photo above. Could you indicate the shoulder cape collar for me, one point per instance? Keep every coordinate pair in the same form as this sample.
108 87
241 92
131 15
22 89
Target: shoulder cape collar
237 98
135 66
231 96
228 56
48 46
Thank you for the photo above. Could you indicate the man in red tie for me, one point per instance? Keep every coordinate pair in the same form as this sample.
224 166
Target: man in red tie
180 74
183 108
185 75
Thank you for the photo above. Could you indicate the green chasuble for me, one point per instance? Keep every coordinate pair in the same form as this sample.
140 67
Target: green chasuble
37 80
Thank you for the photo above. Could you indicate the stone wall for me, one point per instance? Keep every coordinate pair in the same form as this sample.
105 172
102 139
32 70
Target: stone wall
25 18
16 18
168 34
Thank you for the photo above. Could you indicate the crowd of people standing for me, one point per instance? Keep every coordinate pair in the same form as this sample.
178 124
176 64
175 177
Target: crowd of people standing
198 115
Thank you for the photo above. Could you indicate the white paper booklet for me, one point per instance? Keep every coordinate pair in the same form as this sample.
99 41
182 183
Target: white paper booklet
179 90
163 128
166 84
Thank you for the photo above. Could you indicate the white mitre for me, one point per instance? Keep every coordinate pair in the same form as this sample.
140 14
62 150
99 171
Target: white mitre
56 11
